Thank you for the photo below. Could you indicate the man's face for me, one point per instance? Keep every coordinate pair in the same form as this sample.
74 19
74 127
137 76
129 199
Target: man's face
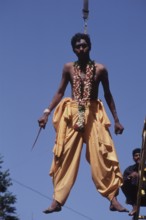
81 48
136 158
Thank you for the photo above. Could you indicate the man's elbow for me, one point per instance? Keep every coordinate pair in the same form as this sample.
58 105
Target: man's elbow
108 96
60 94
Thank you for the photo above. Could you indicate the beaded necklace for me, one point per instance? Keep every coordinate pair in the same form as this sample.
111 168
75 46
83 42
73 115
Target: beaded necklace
82 91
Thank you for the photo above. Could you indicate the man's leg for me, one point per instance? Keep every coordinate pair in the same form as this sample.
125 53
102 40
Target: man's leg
67 168
116 206
130 192
134 210
54 207
104 167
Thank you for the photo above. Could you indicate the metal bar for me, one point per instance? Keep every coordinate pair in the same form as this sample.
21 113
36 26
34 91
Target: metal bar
85 9
141 172
141 217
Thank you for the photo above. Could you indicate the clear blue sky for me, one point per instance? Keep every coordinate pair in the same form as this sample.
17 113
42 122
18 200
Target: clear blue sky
34 45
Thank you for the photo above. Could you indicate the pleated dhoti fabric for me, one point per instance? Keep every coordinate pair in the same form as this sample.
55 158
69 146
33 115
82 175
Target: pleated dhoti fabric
100 151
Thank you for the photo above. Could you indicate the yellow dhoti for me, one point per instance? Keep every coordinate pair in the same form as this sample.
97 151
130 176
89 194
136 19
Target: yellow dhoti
100 151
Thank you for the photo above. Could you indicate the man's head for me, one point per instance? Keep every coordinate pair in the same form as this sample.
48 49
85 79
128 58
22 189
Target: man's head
136 155
78 37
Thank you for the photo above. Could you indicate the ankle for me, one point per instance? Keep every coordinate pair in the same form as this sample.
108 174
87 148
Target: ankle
55 202
114 199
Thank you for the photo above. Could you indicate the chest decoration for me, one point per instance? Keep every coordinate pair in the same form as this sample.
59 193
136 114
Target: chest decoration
82 91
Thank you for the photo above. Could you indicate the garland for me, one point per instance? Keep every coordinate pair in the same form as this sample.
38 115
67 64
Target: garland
82 91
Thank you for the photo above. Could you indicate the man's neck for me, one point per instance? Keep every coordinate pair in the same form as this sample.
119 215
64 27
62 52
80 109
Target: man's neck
83 62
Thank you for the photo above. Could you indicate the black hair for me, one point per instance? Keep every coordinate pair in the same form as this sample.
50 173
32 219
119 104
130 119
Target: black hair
136 150
78 36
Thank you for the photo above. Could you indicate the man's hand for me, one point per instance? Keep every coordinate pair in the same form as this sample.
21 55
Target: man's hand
133 175
118 128
43 121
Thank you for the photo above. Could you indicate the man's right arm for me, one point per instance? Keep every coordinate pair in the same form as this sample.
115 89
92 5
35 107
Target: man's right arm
57 97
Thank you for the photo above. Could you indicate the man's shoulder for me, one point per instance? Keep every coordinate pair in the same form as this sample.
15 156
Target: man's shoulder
131 167
68 66
100 66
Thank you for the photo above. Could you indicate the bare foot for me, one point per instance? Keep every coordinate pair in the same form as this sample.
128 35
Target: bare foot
116 206
55 207
134 210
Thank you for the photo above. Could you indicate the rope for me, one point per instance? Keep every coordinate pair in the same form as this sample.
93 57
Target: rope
85 14
46 197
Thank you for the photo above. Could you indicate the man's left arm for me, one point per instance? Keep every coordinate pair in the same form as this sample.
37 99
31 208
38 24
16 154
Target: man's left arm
110 102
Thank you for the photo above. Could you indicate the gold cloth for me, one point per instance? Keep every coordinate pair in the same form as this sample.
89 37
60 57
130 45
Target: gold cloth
100 151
